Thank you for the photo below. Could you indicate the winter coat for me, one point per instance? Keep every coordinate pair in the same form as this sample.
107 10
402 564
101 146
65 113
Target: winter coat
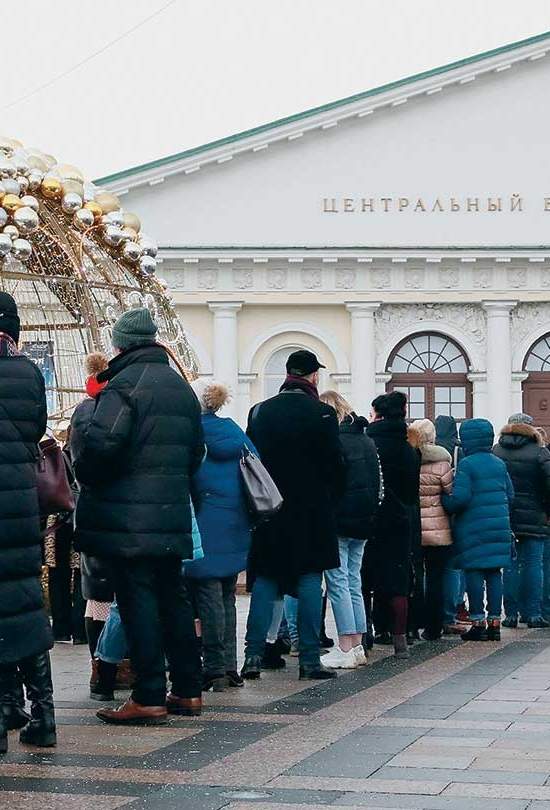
481 500
397 519
436 476
446 435
24 626
528 462
357 508
221 509
139 451
297 438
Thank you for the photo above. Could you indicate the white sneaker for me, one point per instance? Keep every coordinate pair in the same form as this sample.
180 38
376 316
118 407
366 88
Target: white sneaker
338 659
360 655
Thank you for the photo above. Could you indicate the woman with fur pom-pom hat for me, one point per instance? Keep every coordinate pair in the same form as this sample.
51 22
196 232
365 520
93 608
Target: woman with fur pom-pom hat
225 526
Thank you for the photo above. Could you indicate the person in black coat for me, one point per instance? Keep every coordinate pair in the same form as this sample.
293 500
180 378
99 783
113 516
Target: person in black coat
354 523
397 520
521 448
297 438
25 633
143 444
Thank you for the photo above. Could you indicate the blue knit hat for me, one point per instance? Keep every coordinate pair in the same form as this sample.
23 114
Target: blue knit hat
134 328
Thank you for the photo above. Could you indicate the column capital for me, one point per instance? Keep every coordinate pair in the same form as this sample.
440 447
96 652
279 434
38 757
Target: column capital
499 307
362 308
229 307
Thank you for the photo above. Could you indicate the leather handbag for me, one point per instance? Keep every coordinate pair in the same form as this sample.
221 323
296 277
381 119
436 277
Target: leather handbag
52 480
264 498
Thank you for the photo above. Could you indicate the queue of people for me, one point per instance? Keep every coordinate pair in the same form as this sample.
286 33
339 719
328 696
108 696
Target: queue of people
395 520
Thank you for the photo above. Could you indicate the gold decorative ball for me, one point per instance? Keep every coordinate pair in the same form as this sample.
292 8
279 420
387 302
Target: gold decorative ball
69 172
51 188
132 221
95 209
108 202
11 203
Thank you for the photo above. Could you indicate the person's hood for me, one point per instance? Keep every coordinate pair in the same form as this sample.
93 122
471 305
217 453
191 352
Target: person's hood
414 437
432 453
476 436
354 424
224 439
446 432
518 435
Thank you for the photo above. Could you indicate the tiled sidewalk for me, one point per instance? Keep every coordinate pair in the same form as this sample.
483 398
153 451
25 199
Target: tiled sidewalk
459 726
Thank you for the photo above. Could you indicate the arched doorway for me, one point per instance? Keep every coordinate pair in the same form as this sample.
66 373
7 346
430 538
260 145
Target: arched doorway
432 370
536 388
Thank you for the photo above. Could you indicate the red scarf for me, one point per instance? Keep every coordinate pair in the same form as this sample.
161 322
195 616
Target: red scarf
293 382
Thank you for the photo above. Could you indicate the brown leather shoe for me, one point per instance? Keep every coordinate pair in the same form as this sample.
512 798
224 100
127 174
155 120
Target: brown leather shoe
133 714
190 707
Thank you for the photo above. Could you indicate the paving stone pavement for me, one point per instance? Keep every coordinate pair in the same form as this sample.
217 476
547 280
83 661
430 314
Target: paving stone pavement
456 727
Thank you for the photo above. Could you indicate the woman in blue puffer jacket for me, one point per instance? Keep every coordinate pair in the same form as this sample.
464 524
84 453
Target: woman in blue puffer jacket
225 527
481 500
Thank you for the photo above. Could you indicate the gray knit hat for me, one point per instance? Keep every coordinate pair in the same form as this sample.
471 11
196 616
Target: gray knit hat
134 328
520 419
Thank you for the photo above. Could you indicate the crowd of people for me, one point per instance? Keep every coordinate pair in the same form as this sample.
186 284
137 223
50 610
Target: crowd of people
396 521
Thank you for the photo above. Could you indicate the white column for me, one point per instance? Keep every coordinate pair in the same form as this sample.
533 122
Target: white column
479 393
499 361
226 349
363 354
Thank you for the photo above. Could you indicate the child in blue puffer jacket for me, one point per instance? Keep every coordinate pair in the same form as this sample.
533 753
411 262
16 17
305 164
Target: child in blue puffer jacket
481 500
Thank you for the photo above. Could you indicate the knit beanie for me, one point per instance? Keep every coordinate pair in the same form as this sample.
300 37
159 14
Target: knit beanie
9 319
520 419
134 328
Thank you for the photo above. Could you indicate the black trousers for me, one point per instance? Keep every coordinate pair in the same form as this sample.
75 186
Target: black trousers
216 607
435 562
67 608
158 619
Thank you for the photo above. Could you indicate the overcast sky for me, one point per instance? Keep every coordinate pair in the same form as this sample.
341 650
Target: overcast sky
109 84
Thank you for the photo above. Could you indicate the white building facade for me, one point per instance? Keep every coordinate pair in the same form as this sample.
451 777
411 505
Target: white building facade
401 234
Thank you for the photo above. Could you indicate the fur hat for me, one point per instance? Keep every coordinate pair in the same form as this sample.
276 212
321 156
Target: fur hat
211 394
94 364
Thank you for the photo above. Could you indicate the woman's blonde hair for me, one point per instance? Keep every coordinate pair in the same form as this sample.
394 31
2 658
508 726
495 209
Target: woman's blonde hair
211 394
425 431
337 401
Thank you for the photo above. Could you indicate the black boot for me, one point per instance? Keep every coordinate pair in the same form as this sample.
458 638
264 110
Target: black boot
6 687
272 658
252 668
37 677
14 704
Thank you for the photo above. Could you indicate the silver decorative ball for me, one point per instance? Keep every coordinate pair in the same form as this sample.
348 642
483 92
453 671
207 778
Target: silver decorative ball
30 202
22 250
113 218
26 220
113 236
21 164
11 186
83 219
147 264
7 168
148 246
35 180
3 217
71 203
5 244
23 183
131 251
12 232
90 191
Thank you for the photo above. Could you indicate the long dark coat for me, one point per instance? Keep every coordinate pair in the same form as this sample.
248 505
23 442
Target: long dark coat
24 627
138 453
358 506
397 520
297 438
528 463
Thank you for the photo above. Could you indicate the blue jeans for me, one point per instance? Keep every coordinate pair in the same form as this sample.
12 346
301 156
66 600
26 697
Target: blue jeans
264 594
454 586
475 580
344 588
523 581
291 615
112 646
546 580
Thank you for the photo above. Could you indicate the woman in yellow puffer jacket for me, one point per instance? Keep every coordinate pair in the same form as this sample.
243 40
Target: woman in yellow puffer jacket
436 477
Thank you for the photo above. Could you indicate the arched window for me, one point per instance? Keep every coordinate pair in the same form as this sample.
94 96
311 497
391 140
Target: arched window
538 358
275 370
536 388
432 370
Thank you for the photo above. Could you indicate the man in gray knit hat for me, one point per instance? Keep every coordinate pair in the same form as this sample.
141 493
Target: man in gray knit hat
142 446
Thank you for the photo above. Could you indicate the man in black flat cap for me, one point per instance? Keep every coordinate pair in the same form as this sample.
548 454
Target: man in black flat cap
298 441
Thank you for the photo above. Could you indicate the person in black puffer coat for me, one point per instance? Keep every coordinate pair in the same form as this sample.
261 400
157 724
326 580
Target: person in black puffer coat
354 523
143 444
25 633
398 519
528 461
